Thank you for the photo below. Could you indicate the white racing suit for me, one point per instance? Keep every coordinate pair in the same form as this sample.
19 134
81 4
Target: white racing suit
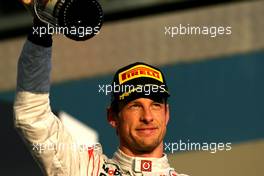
50 143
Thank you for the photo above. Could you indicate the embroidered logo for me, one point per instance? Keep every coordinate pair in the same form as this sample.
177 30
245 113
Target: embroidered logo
146 166
139 71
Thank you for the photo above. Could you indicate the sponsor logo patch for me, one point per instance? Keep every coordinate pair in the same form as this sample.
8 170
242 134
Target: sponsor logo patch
109 169
146 166
139 71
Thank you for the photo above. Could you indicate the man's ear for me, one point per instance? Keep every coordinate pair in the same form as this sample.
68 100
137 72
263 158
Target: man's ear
111 117
167 113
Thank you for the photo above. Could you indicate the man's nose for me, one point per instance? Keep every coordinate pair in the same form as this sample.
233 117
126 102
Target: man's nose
147 116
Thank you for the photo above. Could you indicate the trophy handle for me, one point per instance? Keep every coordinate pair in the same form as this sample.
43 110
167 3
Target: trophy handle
43 10
35 8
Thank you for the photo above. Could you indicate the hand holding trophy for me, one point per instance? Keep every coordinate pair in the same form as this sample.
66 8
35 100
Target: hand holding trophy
76 19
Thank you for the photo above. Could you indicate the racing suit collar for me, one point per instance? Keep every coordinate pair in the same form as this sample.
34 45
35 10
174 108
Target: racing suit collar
141 164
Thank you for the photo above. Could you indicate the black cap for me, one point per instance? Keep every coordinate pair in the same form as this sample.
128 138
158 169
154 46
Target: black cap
138 80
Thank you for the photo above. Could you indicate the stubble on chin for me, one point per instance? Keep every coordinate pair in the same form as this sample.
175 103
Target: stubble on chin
146 146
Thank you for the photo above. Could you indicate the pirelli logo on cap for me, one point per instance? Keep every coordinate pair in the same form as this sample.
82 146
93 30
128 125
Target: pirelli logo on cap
139 71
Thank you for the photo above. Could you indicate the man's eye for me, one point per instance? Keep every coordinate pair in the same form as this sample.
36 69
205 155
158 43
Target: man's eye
156 104
135 106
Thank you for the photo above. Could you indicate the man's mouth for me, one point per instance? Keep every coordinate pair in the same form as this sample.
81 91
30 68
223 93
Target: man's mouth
146 130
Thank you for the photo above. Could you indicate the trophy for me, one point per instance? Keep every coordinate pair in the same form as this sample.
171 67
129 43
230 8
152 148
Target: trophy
76 19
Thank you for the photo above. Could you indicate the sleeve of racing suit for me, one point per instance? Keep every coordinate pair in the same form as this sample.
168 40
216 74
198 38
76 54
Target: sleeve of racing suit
43 132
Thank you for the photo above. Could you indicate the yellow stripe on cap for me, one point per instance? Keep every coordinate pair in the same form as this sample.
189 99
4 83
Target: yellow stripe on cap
139 71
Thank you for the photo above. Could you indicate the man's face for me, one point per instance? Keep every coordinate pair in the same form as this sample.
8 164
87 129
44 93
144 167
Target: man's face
141 124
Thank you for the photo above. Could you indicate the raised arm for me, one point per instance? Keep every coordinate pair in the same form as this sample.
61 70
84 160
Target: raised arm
43 132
